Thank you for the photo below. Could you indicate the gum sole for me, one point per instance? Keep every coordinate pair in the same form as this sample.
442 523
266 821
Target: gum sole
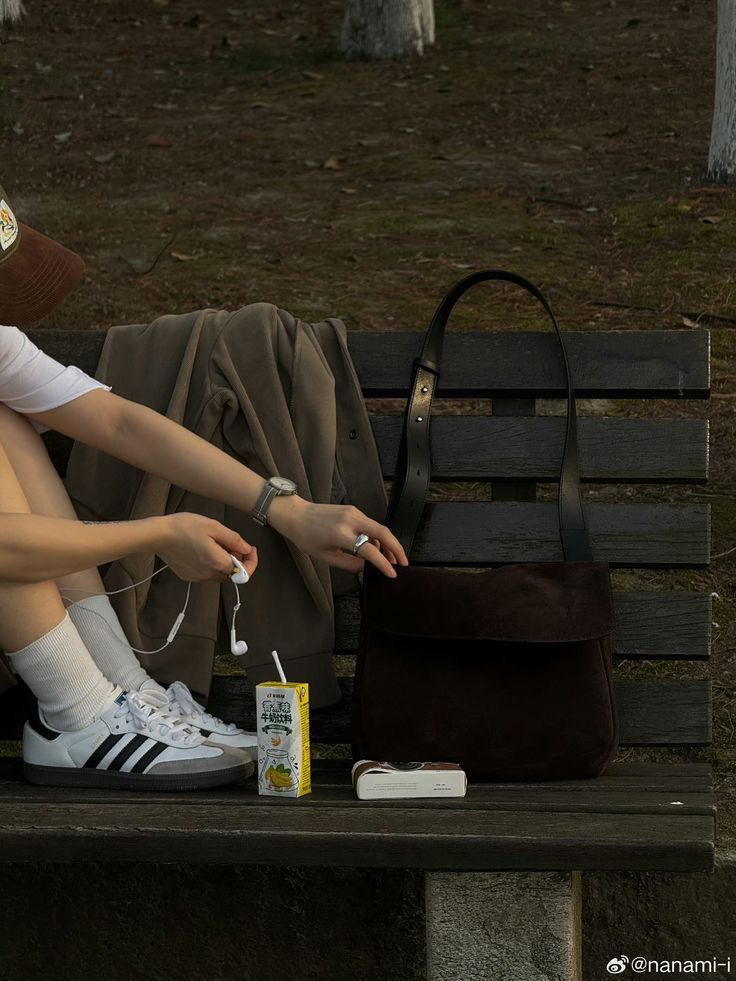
62 776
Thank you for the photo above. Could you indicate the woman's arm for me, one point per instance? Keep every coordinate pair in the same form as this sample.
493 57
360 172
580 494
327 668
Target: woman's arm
34 547
151 442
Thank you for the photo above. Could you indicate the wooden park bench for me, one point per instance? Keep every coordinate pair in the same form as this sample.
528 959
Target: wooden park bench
518 847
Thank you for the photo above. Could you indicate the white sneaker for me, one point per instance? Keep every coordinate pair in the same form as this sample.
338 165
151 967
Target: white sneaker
134 744
226 735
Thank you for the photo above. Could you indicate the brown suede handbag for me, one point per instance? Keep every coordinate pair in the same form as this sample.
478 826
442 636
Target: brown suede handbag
504 670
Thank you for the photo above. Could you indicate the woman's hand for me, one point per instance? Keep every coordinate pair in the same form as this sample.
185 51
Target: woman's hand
198 548
328 532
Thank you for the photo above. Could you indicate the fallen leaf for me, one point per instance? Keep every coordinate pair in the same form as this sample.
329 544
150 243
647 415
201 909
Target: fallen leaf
44 69
158 139
63 137
18 129
315 76
332 163
185 257
687 322
348 190
165 105
711 219
103 158
260 105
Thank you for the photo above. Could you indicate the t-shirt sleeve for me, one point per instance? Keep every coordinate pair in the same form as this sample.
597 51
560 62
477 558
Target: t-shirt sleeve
31 381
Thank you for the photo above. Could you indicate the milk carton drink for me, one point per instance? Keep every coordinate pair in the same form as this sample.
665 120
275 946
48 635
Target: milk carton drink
284 765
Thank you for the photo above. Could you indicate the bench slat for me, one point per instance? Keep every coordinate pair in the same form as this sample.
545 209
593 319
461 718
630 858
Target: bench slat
648 625
517 448
488 533
505 449
256 831
654 712
615 364
618 788
661 363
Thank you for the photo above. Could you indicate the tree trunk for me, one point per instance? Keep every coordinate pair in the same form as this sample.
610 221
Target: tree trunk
722 157
11 11
387 28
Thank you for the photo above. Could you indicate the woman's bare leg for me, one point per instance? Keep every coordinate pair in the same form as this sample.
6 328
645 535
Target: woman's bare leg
89 607
44 490
27 610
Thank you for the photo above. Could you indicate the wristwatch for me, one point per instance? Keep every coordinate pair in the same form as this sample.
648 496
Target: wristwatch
275 487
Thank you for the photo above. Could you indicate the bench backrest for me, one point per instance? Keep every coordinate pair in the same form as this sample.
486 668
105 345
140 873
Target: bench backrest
508 452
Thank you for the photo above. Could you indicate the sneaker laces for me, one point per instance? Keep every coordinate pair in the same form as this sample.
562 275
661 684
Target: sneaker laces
182 699
147 709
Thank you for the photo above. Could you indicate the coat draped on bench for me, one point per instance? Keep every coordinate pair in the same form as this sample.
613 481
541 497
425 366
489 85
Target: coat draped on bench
282 396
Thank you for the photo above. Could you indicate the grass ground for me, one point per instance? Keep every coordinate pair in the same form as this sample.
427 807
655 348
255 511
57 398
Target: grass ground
215 154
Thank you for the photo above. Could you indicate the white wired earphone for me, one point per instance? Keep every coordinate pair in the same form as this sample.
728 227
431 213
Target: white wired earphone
238 578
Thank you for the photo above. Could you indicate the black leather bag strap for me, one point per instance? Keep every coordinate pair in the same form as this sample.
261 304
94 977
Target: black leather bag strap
413 465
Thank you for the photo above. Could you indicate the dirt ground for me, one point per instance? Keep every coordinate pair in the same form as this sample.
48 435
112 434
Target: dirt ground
213 154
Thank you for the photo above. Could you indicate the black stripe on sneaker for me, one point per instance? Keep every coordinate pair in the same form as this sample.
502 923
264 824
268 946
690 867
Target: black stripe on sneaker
148 757
126 752
43 730
206 732
102 750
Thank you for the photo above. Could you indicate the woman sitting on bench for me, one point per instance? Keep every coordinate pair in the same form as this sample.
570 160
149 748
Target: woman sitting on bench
101 718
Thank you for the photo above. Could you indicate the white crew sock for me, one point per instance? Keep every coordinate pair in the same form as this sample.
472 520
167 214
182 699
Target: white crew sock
70 688
102 632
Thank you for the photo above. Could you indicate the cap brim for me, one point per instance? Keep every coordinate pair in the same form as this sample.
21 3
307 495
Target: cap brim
36 278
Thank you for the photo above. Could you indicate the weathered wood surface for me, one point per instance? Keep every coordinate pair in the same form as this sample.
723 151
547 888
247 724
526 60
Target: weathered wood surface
671 363
662 363
648 625
656 711
625 788
623 820
517 448
456 533
513 450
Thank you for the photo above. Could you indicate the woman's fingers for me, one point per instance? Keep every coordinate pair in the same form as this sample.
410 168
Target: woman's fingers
342 560
385 537
370 553
250 561
381 538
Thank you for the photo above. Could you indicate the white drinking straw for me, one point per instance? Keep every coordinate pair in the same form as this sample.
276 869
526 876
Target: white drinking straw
280 670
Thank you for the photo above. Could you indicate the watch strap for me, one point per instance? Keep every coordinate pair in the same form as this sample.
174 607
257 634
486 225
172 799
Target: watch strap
263 503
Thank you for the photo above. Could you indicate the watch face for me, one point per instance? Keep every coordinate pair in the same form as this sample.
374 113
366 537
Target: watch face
284 485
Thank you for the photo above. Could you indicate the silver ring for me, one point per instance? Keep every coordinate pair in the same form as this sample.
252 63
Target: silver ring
359 541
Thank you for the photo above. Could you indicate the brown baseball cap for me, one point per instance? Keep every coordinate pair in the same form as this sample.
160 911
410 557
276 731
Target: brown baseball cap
36 273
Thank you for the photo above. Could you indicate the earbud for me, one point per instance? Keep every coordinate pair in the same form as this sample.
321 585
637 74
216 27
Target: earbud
241 575
237 647
239 578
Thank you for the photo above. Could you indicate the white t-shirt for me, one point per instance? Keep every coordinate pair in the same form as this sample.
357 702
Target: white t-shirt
31 381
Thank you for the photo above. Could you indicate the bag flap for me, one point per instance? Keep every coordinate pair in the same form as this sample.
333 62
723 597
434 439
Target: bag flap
550 602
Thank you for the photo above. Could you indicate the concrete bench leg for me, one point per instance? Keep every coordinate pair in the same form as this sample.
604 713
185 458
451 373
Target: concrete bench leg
515 926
